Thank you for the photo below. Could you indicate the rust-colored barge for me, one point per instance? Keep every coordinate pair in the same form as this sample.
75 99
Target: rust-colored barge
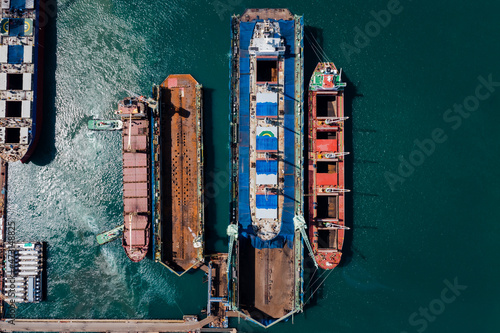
136 183
326 165
181 230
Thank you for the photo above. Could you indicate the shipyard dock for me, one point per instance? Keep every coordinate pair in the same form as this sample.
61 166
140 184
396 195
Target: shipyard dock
189 324
180 233
266 150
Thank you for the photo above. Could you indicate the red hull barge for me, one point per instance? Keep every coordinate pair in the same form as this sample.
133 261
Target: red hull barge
326 165
136 177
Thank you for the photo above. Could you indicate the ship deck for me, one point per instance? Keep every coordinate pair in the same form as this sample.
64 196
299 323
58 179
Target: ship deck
182 220
326 169
268 271
268 278
135 184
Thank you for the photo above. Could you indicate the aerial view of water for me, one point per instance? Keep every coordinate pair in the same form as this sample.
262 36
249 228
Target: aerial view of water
423 98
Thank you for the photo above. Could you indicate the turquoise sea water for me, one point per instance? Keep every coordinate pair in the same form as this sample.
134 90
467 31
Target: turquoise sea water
414 231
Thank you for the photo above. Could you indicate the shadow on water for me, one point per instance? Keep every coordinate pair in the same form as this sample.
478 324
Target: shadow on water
213 187
45 151
350 93
312 277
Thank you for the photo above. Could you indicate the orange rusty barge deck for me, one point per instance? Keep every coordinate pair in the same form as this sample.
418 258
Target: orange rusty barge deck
182 224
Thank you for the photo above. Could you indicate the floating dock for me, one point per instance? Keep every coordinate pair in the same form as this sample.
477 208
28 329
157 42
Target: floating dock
266 248
179 235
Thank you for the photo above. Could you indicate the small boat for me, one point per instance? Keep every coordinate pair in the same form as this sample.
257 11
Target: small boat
110 235
105 125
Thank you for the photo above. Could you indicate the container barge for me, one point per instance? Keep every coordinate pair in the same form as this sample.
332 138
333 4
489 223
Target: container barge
326 165
180 206
136 176
21 68
266 248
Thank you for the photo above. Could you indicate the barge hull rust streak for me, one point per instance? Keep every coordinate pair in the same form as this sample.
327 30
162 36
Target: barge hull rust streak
182 179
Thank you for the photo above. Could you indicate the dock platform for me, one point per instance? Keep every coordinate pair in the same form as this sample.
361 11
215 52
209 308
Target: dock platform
94 325
182 227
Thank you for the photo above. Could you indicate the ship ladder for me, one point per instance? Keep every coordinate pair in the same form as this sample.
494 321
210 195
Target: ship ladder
336 226
333 155
130 231
129 146
335 120
300 225
232 232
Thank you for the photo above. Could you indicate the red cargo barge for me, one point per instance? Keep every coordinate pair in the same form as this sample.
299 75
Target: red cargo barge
136 182
326 165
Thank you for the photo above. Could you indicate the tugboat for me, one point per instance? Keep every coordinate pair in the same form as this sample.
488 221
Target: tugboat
105 125
326 165
109 235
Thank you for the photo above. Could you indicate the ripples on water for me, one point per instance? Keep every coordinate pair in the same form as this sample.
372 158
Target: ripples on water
100 54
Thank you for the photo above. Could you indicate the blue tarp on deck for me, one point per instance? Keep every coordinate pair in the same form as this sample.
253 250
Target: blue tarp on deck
266 201
267 109
15 54
267 143
16 27
286 234
267 167
17 4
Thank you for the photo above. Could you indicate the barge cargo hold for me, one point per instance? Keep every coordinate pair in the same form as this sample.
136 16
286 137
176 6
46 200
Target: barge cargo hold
21 68
136 176
180 233
326 165
266 248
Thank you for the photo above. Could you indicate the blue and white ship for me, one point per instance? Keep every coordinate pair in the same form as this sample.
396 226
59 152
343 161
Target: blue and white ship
266 247
20 79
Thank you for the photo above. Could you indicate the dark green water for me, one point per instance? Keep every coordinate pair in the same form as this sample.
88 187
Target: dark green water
438 221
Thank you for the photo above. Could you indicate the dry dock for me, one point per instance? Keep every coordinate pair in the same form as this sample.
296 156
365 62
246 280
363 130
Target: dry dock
182 173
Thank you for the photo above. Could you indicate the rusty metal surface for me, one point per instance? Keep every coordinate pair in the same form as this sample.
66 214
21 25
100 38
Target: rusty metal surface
267 275
181 142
